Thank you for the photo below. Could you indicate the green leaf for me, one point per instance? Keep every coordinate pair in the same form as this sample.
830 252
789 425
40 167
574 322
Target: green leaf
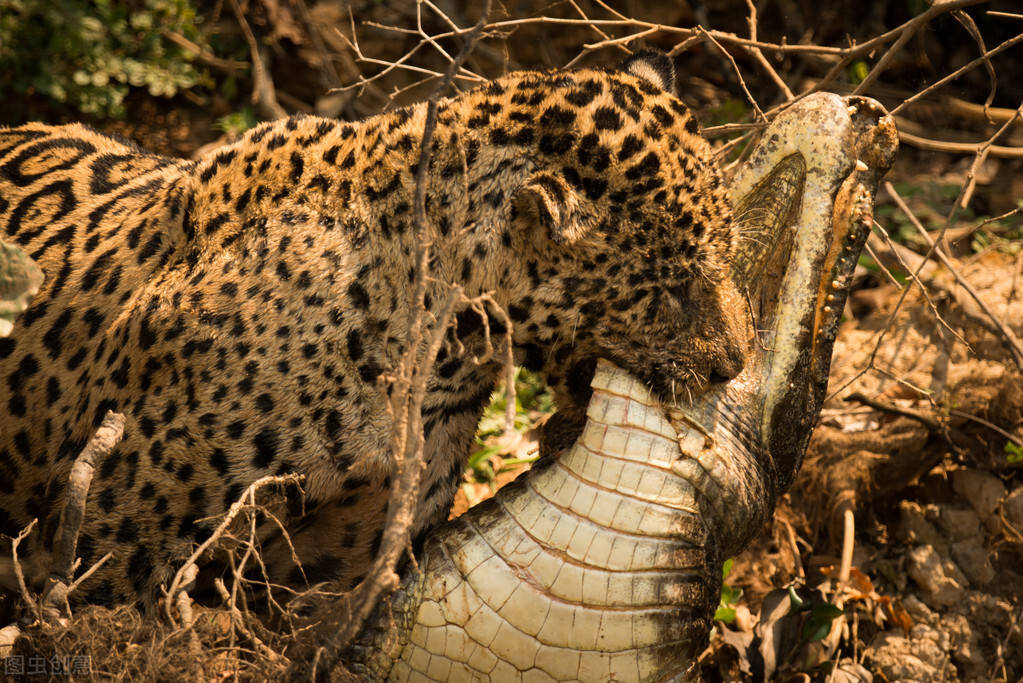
730 595
1015 453
725 614
797 602
819 623
858 72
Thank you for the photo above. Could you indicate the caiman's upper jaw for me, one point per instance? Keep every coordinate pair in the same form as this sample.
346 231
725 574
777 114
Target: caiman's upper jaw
804 207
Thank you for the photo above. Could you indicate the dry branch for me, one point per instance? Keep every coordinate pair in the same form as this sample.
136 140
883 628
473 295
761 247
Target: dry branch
26 596
99 446
204 55
186 574
59 584
322 647
264 96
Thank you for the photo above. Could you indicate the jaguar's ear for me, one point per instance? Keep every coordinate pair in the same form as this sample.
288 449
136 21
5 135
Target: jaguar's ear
653 66
549 201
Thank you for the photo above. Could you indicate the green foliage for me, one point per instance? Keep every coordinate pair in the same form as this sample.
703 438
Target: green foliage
238 122
531 394
857 72
531 397
729 111
1014 454
88 53
821 614
729 596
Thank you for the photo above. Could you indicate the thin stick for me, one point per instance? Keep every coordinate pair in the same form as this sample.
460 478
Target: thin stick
721 36
885 60
794 547
971 27
735 67
758 55
204 55
993 427
920 417
180 578
960 147
22 586
89 572
407 395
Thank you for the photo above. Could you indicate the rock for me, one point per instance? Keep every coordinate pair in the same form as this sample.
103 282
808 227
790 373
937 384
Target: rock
943 582
975 561
918 610
963 531
966 647
959 523
920 656
982 490
990 611
914 526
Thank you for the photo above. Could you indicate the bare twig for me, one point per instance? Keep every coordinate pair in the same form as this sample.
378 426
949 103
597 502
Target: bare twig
107 435
758 55
22 586
863 49
327 70
738 72
885 60
993 427
88 572
406 402
924 419
971 27
959 147
204 55
238 620
248 499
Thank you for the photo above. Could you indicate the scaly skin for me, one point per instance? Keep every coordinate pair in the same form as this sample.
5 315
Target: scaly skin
604 563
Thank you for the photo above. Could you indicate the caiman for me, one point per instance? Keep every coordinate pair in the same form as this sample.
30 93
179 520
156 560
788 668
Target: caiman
604 562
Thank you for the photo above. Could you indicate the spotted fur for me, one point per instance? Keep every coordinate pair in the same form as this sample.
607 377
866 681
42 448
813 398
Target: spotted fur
244 311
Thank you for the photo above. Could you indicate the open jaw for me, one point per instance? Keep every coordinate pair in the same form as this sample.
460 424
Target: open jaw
604 562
